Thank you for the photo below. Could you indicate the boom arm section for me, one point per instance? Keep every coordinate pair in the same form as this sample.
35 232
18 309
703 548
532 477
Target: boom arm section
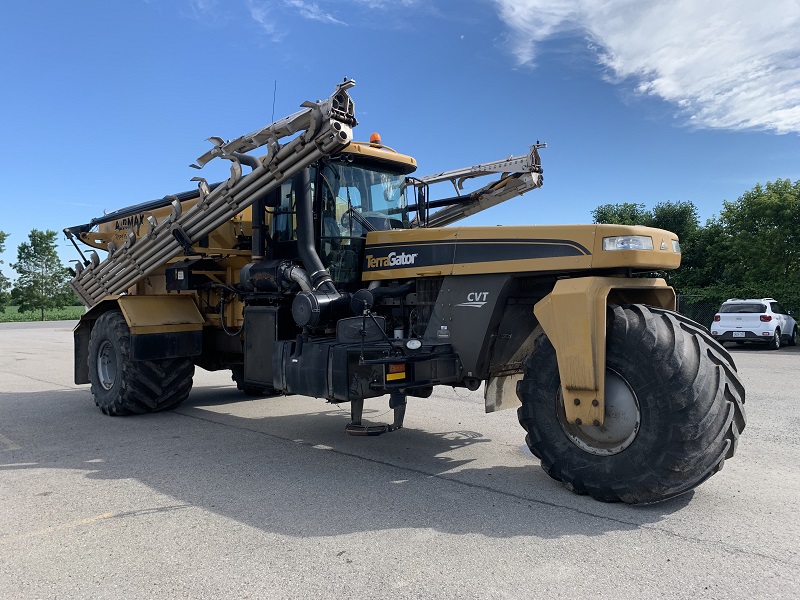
518 174
326 129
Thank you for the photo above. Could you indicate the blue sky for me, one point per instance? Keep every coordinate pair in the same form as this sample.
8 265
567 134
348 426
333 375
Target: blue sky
105 103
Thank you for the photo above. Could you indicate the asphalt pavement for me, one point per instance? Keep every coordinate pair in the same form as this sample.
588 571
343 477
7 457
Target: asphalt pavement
233 497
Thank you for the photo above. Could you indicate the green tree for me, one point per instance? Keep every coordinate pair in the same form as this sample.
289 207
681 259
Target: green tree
43 280
4 282
626 213
682 219
677 217
705 270
763 227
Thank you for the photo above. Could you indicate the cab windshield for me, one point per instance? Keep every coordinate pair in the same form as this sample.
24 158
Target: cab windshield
358 200
355 201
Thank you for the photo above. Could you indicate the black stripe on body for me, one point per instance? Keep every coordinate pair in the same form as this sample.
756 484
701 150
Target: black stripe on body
431 253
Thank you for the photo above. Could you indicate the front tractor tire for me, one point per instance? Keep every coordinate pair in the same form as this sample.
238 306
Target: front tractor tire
123 386
673 410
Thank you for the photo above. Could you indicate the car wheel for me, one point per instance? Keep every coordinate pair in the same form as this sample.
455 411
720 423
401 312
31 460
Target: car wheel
793 337
775 342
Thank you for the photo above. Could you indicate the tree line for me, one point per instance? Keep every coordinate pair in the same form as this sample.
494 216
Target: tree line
750 250
42 280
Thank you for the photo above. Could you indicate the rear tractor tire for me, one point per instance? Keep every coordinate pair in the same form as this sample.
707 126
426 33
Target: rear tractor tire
122 386
673 410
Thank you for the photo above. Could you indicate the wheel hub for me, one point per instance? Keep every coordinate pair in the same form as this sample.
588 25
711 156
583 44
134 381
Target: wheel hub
106 365
620 426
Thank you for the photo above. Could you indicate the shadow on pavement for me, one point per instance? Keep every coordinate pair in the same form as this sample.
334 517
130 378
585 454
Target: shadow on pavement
299 475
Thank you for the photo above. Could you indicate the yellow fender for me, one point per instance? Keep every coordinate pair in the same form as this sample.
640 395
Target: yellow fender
573 316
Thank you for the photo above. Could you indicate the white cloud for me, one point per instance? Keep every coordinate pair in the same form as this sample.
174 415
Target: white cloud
272 16
262 15
731 64
312 11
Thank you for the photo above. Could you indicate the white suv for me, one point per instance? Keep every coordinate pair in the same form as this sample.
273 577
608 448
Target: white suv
761 320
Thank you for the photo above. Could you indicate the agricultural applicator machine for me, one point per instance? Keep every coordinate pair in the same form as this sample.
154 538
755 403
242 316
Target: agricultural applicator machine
323 267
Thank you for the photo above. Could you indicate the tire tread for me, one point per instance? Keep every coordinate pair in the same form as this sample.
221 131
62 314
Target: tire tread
145 385
700 417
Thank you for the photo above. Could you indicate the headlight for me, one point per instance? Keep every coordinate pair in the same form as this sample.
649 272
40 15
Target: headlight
676 246
628 242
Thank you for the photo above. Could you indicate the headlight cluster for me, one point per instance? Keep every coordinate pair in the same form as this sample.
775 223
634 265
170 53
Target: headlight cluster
635 242
628 242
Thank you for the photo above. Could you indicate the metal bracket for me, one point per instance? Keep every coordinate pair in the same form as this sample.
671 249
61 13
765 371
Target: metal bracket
397 402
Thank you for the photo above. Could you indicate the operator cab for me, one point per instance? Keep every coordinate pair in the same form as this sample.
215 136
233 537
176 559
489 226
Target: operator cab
362 189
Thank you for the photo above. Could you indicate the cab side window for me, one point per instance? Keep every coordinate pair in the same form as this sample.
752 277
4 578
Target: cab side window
284 225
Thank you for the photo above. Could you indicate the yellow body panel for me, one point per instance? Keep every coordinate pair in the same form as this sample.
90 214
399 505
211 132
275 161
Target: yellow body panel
510 249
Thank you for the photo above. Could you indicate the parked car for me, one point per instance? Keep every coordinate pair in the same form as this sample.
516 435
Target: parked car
762 320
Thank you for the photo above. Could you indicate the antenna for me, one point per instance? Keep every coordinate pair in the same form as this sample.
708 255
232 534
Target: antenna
274 93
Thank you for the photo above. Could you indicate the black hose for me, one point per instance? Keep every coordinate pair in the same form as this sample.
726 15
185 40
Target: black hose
222 318
320 279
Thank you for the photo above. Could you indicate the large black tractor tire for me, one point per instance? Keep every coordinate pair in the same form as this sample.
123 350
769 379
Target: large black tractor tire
673 410
237 374
122 386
